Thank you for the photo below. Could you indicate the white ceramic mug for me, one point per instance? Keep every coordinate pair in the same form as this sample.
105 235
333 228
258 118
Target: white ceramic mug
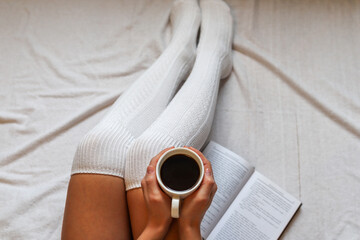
178 195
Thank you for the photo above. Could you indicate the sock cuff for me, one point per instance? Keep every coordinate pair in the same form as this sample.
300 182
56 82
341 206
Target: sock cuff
103 151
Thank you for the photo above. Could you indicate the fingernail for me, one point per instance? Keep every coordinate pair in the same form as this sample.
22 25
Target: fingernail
150 169
208 172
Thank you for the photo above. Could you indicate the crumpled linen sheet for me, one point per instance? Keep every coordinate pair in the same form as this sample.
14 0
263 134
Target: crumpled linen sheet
291 105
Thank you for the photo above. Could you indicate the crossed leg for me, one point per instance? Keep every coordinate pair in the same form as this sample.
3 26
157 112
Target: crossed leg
96 205
188 118
96 208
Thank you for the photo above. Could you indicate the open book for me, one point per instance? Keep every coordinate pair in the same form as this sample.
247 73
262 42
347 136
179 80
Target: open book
246 205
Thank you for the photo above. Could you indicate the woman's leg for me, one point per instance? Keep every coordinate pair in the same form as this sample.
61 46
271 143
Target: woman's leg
103 149
96 208
188 118
96 202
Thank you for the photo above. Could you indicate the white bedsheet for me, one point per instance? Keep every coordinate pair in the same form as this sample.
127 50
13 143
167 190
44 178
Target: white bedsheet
291 105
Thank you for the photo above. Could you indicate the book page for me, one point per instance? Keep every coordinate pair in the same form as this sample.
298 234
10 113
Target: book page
261 211
231 173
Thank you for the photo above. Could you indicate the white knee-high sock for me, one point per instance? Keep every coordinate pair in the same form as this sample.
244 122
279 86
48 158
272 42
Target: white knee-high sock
188 118
103 149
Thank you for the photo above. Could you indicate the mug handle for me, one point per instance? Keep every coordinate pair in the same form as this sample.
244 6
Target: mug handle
175 207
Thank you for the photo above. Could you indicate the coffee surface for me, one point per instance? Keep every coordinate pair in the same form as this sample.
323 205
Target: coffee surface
180 172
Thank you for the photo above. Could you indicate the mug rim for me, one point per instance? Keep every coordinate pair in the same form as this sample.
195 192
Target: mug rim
187 152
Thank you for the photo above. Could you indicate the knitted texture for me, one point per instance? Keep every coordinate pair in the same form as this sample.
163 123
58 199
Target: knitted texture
103 149
188 118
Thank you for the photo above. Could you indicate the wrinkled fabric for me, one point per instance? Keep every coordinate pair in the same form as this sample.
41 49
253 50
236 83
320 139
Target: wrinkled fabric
291 106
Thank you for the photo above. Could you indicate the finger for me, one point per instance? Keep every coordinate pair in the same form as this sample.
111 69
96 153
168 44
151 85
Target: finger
213 192
150 183
144 182
207 186
155 159
153 191
206 162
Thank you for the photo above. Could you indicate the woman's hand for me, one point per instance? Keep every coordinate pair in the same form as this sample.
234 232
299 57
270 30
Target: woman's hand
157 202
194 206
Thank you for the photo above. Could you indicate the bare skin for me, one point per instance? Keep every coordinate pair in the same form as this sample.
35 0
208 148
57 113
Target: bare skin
150 207
139 215
138 210
96 208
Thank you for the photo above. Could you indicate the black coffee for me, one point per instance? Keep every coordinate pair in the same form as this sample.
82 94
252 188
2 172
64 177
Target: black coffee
180 172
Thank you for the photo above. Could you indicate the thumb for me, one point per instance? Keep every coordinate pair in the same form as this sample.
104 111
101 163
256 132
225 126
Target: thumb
150 180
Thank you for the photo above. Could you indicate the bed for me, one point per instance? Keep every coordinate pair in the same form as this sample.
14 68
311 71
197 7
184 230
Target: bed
291 105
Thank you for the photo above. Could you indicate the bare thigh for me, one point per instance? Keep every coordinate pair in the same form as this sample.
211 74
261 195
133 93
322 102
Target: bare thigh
96 208
138 214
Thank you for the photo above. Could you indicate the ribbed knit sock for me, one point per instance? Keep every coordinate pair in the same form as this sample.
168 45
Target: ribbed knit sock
103 149
188 118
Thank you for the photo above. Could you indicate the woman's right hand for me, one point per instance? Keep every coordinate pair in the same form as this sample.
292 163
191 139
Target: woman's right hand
193 207
157 202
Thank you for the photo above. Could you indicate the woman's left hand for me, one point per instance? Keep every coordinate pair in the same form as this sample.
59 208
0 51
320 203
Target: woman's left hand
195 206
157 202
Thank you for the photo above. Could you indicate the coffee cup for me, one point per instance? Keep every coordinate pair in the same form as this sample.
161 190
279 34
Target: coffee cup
179 173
